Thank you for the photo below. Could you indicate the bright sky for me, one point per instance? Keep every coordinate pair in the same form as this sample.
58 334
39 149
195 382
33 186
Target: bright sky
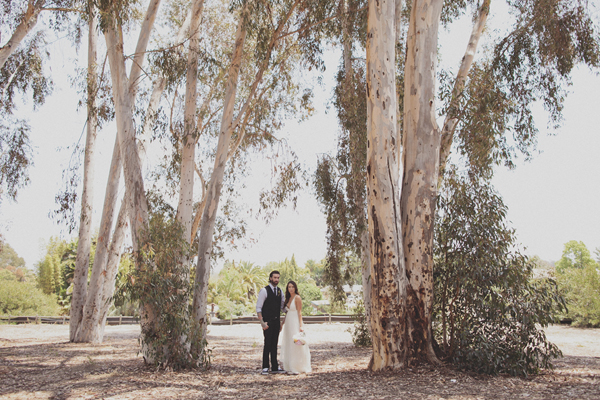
551 200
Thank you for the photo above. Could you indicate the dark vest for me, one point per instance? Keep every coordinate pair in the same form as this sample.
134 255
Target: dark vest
272 305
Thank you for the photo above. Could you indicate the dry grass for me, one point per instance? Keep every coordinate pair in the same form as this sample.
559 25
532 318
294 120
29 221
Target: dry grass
37 361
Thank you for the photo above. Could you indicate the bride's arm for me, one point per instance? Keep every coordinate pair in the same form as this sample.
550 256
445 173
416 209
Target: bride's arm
299 307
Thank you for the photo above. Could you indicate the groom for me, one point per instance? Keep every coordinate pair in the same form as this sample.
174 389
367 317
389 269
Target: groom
270 302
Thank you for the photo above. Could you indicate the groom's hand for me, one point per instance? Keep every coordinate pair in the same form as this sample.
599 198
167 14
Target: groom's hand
264 325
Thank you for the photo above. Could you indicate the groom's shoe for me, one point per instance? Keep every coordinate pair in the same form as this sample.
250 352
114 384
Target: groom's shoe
265 371
278 371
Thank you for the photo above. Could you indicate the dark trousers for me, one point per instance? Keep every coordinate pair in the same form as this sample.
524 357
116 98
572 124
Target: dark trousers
270 349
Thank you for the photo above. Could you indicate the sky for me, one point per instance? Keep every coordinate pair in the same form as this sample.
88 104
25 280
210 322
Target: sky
551 199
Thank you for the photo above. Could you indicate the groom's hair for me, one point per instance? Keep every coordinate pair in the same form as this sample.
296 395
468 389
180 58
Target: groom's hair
273 273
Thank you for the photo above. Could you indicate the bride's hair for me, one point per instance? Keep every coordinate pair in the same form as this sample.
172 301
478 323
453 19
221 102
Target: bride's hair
288 295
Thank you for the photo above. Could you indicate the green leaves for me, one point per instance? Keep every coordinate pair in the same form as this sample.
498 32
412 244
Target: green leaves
531 63
578 277
575 255
488 309
161 283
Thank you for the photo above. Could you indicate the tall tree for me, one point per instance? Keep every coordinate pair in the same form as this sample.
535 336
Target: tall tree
388 298
80 278
277 32
420 142
124 92
484 103
214 186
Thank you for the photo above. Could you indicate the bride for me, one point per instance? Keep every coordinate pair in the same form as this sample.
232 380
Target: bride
296 358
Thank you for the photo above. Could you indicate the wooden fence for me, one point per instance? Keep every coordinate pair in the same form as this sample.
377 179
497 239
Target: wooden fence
120 320
123 320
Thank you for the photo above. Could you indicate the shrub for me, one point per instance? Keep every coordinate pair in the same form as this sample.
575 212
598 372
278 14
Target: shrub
161 284
309 292
24 298
581 288
488 311
361 335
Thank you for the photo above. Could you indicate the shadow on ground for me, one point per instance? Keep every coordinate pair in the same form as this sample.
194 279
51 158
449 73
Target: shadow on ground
114 370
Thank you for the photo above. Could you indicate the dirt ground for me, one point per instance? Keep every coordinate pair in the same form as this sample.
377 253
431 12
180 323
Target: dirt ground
38 362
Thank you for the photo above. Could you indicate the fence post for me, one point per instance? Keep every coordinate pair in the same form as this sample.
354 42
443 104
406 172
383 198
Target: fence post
120 319
329 317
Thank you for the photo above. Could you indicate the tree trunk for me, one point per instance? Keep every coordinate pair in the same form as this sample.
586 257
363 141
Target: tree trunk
185 208
366 275
140 48
91 329
451 120
419 191
134 183
112 268
85 232
386 253
87 330
213 194
34 7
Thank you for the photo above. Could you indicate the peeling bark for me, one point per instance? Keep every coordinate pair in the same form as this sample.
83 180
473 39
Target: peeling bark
419 190
386 253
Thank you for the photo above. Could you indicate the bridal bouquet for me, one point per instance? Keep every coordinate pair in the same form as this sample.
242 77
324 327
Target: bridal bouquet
299 338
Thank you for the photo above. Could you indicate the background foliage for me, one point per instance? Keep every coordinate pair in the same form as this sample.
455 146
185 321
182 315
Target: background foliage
578 276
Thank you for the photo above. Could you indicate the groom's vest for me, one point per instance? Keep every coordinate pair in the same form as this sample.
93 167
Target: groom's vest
272 305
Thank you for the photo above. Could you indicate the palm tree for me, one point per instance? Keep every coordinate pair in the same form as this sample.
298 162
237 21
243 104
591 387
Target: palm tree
251 277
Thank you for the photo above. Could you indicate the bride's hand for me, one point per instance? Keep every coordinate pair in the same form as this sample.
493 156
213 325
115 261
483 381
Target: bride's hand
301 329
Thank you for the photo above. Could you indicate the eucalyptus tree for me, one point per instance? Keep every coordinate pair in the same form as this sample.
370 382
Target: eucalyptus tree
277 31
22 59
85 221
487 109
339 180
532 62
86 325
19 18
489 307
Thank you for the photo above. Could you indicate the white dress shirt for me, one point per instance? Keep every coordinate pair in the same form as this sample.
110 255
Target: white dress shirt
262 296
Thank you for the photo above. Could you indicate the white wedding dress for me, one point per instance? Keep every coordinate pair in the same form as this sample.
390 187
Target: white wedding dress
295 358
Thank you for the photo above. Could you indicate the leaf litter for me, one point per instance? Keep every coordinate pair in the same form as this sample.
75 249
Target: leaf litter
38 362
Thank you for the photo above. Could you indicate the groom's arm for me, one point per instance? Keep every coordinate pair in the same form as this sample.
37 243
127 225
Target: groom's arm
262 296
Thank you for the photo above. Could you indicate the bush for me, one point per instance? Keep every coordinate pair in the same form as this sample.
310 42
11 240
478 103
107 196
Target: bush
361 336
309 292
488 310
229 309
581 288
161 284
23 298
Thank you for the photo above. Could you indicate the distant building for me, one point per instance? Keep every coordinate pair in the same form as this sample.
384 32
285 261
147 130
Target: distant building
353 295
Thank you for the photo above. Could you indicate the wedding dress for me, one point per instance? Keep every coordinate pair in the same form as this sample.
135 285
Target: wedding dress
296 358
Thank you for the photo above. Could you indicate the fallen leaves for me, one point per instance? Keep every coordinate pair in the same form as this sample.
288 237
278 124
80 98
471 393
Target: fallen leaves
37 362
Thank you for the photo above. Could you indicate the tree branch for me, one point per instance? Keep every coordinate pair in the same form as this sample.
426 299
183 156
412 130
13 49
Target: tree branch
451 120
